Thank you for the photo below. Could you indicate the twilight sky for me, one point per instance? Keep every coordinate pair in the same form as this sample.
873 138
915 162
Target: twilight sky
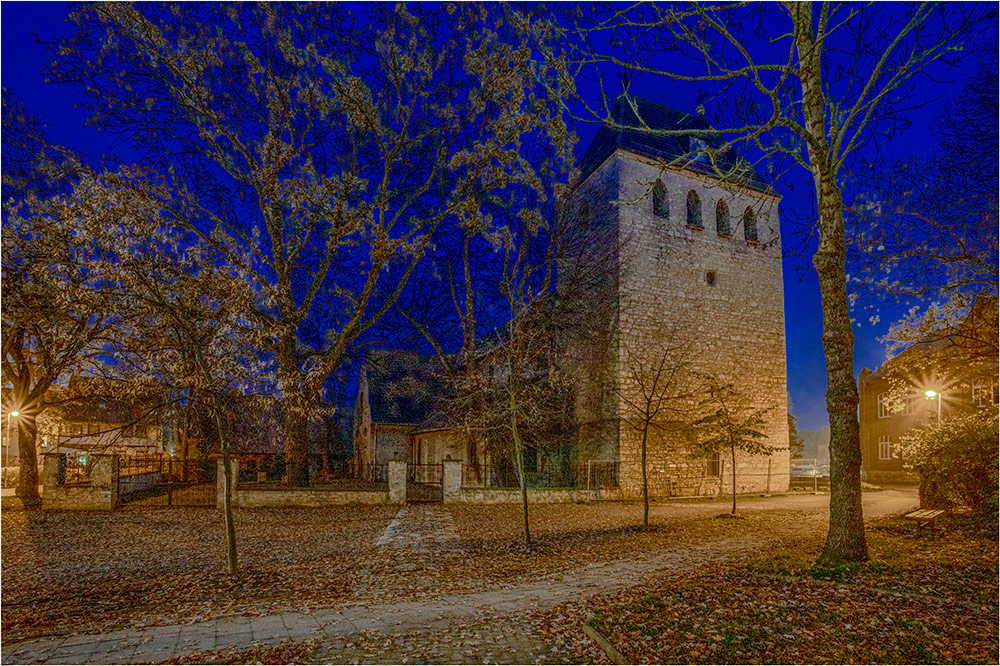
22 60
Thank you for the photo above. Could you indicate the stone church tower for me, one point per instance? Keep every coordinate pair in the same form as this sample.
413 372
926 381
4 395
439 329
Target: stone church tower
696 268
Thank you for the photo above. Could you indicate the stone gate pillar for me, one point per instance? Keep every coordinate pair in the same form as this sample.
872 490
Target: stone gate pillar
397 482
452 481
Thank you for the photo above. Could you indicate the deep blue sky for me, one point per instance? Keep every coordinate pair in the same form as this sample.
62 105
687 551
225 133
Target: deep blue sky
23 58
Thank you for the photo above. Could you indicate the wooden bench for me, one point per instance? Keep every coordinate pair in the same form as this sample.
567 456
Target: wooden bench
925 517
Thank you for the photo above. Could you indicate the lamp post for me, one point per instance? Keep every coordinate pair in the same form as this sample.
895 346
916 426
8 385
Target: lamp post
931 394
6 448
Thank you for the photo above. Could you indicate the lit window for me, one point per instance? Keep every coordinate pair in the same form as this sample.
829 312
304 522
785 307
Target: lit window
722 219
883 405
749 225
884 448
75 428
93 428
661 207
693 209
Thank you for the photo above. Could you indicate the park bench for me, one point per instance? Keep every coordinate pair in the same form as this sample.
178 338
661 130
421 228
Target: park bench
923 517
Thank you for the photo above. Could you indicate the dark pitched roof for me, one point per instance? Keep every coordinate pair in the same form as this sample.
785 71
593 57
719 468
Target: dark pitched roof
631 111
404 387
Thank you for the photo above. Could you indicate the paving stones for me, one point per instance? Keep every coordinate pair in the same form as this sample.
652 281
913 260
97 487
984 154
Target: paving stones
421 527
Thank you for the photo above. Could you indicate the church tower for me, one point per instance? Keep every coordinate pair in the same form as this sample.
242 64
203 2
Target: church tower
696 276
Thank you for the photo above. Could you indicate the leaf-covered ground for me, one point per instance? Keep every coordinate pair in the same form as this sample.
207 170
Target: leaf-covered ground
76 572
922 599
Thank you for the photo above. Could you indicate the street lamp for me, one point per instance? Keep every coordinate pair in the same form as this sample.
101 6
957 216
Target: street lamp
931 394
6 448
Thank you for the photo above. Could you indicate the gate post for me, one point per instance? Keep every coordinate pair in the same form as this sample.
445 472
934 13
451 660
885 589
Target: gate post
397 482
452 481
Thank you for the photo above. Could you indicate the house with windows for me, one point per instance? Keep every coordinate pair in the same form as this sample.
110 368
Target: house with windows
951 371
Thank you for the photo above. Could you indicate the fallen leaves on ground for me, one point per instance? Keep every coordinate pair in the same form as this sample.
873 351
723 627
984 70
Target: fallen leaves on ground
75 572
922 599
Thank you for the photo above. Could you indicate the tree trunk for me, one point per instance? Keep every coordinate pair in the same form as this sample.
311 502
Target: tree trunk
845 540
227 498
296 444
27 487
519 461
732 450
645 481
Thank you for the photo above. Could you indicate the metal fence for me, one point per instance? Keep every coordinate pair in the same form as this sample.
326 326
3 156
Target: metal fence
504 475
432 473
270 469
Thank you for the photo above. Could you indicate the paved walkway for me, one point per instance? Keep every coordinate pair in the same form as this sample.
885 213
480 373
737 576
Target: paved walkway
421 527
478 627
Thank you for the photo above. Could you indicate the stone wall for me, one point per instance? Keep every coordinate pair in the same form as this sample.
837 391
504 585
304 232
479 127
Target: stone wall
716 299
392 442
248 496
454 493
101 494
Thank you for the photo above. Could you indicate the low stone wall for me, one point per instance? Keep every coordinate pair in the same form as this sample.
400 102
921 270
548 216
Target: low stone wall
101 494
513 495
893 477
275 496
306 497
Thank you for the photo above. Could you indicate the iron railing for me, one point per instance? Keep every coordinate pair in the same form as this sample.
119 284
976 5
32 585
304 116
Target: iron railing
432 473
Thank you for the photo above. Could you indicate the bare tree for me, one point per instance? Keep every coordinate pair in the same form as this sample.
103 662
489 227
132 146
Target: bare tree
316 149
795 87
732 424
656 389
61 295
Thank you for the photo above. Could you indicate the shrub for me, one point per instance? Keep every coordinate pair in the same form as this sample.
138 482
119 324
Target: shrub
957 460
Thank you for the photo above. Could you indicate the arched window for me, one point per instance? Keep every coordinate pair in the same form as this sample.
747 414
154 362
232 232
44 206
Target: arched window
749 225
694 209
722 219
660 206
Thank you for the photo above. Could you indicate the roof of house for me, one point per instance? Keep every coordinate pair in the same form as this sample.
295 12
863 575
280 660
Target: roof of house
641 126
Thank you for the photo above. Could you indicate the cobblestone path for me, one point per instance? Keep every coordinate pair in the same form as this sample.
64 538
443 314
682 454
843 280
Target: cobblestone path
421 527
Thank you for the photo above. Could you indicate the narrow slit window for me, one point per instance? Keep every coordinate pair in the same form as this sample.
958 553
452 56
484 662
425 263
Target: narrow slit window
661 208
693 209
722 219
749 225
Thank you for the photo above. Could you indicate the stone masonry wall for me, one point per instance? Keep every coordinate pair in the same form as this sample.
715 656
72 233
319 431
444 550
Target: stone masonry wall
591 273
719 298
101 494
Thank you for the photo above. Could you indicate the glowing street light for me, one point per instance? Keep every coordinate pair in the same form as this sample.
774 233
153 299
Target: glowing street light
932 394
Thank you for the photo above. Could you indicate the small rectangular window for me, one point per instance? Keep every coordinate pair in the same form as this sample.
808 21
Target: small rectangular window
909 406
883 405
93 428
884 448
75 428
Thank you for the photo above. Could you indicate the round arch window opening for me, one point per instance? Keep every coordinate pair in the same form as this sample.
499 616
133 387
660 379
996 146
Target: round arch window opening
710 278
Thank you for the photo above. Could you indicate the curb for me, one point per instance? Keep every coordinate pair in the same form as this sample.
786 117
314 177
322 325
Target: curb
614 655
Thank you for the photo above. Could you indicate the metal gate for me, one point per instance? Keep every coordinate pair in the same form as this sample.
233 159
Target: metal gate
158 481
425 483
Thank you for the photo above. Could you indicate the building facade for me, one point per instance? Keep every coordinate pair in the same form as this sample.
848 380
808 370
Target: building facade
697 270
